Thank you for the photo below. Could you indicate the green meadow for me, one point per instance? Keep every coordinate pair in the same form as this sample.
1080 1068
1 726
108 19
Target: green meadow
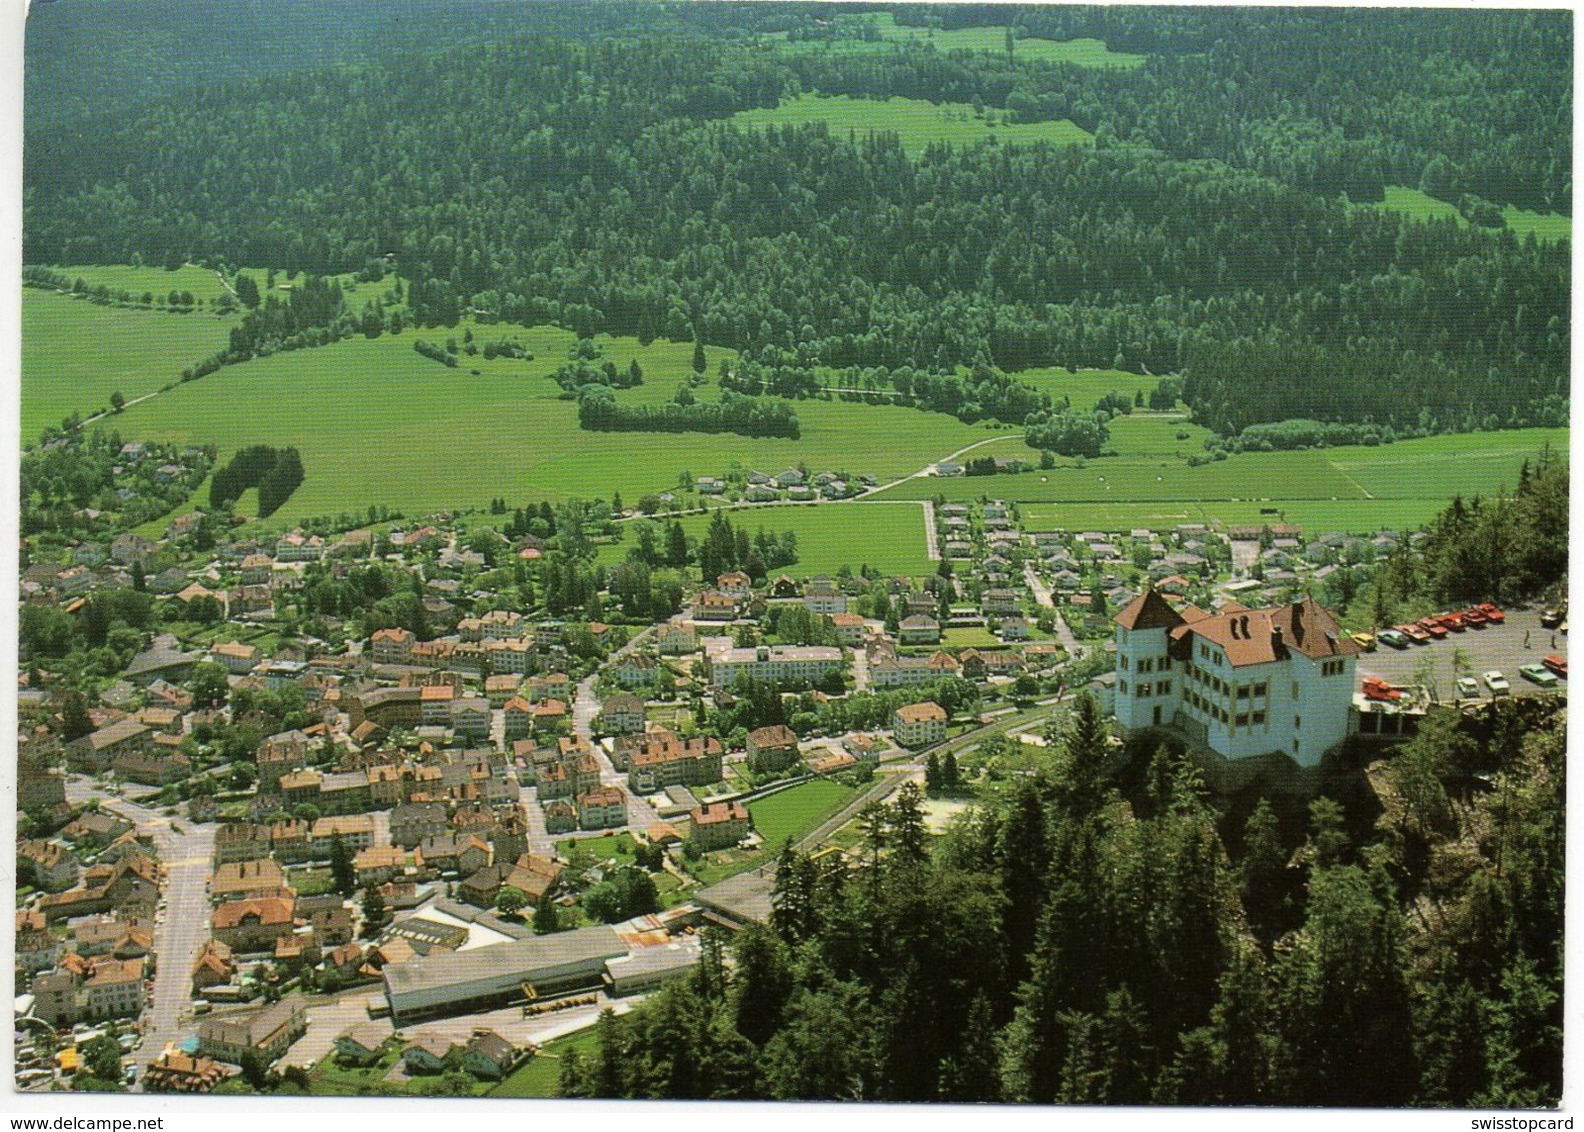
1412 202
887 536
1078 52
377 423
202 282
1350 488
917 124
795 812
76 354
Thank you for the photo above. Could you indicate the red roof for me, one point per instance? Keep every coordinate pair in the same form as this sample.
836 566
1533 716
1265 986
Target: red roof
1148 611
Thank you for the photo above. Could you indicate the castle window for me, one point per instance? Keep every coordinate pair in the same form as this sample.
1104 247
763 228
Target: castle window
1144 689
1122 662
1164 687
1297 722
1259 718
1260 689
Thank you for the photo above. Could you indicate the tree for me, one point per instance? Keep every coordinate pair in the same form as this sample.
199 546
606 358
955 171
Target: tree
117 401
545 921
373 912
75 722
700 363
247 291
209 685
343 874
511 901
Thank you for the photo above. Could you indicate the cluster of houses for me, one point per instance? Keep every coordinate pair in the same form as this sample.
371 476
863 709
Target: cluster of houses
793 484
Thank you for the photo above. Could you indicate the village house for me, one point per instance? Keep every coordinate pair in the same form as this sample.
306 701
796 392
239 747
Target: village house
735 584
411 822
95 751
355 830
773 664
268 1033
720 825
378 864
49 865
712 606
919 629
887 671
849 628
176 1072
213 967
666 760
242 879
919 725
253 925
676 639
621 714
605 808
772 749
460 853
822 596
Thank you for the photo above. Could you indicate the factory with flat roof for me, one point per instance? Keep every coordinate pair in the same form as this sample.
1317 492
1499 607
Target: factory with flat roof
459 982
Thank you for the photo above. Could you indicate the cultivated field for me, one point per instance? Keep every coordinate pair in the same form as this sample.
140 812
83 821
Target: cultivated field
916 123
75 354
887 536
795 812
377 423
1412 202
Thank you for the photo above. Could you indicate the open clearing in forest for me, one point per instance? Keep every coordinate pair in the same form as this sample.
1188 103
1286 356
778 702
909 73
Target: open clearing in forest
917 124
1412 202
1078 52
377 423
887 536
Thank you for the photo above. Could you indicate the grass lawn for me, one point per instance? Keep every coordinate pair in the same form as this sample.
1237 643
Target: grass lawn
1412 202
539 1075
585 851
916 123
310 882
377 423
333 1080
75 354
889 537
794 812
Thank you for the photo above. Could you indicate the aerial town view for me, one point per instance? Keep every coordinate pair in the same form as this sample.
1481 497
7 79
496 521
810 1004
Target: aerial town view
769 551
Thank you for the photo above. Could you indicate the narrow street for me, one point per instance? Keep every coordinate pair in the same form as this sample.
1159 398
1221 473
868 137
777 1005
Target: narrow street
1042 595
183 926
640 815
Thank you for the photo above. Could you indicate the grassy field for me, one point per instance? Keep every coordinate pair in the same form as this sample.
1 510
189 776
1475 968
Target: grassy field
1412 202
1399 485
586 851
75 354
377 423
917 124
1078 52
794 812
200 281
538 1076
889 537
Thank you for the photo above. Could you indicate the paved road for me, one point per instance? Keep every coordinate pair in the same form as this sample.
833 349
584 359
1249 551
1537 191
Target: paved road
1042 596
181 930
640 815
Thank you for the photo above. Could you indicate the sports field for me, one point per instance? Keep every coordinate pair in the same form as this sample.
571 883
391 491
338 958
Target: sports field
917 124
795 812
1412 202
75 354
377 423
887 536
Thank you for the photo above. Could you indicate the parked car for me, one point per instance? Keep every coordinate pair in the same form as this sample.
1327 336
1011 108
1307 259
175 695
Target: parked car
1467 688
1452 621
1475 619
1551 618
1392 638
1497 683
1492 613
1365 641
1436 630
1557 664
1415 634
1538 674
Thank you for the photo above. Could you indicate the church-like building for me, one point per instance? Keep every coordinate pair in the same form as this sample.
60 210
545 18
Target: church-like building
1239 681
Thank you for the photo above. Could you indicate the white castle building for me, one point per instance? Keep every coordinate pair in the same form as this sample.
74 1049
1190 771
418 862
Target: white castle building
1239 681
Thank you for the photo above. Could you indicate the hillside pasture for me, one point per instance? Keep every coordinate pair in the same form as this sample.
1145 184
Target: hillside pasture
75 354
916 123
377 423
202 282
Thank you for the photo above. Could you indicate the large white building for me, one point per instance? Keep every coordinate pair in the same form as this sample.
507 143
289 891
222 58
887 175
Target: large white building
1240 681
772 664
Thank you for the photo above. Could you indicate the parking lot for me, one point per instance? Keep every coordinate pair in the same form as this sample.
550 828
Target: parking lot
1495 647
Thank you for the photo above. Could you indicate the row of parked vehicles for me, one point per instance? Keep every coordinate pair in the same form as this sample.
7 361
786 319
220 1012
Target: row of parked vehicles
1545 674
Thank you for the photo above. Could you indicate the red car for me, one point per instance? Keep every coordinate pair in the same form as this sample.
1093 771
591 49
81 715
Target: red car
1433 627
1415 634
1557 664
1452 621
1475 618
1492 613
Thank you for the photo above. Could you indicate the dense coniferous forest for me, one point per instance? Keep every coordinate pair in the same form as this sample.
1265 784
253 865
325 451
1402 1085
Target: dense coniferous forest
592 183
1106 935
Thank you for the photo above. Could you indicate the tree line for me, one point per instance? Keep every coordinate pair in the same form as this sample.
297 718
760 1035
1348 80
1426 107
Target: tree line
276 472
599 411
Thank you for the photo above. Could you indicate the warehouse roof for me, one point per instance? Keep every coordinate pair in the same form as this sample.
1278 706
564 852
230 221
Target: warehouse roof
520 959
